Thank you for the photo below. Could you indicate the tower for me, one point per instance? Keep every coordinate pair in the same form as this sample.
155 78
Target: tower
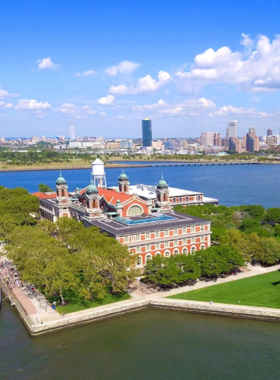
72 132
123 183
62 196
162 193
147 132
92 199
98 173
232 129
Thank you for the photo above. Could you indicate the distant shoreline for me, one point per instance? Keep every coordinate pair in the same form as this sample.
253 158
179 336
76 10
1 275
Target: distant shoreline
144 165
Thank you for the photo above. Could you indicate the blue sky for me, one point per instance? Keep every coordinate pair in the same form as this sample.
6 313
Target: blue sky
190 66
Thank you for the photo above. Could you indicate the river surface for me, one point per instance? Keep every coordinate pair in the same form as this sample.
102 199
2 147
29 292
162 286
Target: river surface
154 344
231 184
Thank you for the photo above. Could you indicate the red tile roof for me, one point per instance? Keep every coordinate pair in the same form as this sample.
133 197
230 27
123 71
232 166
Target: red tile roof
44 195
111 195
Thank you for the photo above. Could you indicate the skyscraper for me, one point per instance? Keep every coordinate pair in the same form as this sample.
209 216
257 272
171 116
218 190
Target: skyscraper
72 132
269 132
206 138
232 129
147 132
252 141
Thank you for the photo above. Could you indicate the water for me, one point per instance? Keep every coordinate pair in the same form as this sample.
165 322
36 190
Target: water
231 184
154 344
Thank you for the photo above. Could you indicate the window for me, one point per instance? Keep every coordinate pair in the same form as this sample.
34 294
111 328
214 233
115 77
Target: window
147 236
184 241
166 244
133 238
174 200
175 243
167 254
201 228
192 240
148 257
137 237
192 228
176 252
184 230
193 249
185 251
175 231
139 260
166 233
138 249
187 199
126 239
157 234
157 245
180 199
148 247
134 210
202 246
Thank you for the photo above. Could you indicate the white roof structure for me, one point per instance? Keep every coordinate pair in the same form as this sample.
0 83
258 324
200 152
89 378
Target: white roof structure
148 191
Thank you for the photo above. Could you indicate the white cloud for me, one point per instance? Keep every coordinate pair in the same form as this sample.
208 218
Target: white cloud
106 100
77 112
183 107
103 114
124 67
88 110
32 104
85 74
145 85
5 105
119 117
231 110
46 63
260 71
6 94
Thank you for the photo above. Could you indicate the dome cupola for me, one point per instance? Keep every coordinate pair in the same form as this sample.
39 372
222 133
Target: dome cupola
60 180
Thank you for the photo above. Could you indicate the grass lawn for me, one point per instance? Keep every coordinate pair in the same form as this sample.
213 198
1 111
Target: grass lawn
71 308
262 290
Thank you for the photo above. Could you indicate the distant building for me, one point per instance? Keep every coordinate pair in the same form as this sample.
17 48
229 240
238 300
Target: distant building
273 140
269 132
72 132
113 145
147 132
225 142
235 145
232 129
252 141
217 139
206 138
127 145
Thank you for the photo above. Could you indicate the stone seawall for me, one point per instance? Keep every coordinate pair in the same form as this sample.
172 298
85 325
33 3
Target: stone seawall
130 306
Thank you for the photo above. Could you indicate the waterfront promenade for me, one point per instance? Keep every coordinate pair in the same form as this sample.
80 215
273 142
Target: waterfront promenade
40 318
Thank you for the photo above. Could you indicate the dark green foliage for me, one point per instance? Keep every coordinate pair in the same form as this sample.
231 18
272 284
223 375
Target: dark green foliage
178 269
269 252
273 215
44 188
16 209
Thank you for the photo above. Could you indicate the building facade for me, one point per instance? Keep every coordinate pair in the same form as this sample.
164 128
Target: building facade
252 141
148 226
147 132
235 145
232 129
207 138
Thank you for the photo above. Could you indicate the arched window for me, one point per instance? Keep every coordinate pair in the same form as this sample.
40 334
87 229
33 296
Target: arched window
167 254
135 210
185 251
176 252
202 246
158 254
193 249
139 260
148 257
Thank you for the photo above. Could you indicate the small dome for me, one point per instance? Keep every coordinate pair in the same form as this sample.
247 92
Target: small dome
123 177
91 189
60 180
162 183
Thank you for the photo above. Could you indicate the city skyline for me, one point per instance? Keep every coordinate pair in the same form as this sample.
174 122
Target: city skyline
53 77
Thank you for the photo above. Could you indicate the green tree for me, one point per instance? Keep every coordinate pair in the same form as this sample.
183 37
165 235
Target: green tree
44 188
273 215
269 252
